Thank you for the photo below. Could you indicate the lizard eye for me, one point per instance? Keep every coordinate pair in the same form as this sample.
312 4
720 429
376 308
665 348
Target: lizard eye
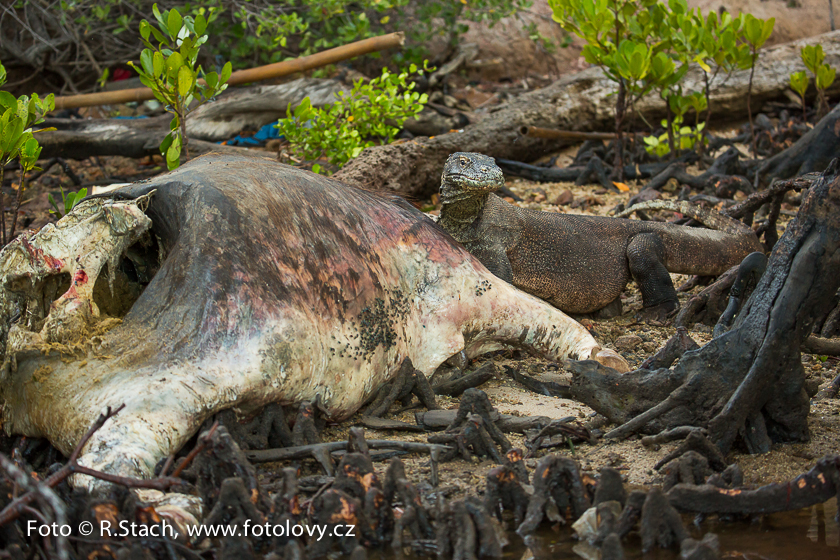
464 162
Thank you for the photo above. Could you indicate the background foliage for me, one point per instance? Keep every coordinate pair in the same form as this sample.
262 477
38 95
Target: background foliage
78 40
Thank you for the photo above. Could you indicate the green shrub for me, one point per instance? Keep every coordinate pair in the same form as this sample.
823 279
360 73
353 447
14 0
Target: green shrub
170 69
254 32
824 74
17 142
687 137
647 45
68 202
716 42
370 113
642 45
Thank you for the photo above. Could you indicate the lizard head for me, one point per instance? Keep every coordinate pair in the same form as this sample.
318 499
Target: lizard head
470 172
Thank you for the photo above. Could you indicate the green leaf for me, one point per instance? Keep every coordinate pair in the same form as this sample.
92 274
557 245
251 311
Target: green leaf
173 63
11 135
304 107
147 62
8 101
56 209
768 30
757 31
158 64
799 83
825 76
29 152
167 141
49 102
159 37
212 79
173 23
81 195
145 30
173 154
69 202
186 81
158 16
200 24
227 69
812 56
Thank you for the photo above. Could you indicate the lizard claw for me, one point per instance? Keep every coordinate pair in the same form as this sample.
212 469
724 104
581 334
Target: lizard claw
612 359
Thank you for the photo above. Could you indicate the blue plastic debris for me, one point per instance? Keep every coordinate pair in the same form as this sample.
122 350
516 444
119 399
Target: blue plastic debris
262 136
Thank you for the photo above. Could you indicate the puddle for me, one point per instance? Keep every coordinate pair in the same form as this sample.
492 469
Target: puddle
807 534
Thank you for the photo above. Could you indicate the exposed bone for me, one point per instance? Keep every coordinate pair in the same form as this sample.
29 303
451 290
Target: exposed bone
97 233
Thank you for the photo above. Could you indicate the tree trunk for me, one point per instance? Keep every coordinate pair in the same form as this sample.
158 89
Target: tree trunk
575 102
748 381
136 138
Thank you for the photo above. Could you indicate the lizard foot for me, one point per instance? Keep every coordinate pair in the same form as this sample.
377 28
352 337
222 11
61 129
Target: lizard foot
658 314
611 358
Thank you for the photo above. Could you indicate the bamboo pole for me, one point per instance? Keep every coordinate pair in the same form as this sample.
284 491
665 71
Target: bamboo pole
275 70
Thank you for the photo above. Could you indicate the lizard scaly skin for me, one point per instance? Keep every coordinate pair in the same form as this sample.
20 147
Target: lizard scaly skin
580 264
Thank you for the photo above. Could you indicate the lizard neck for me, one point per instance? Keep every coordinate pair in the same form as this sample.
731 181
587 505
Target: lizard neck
460 209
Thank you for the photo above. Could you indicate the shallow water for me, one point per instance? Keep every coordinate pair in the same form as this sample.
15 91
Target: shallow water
807 534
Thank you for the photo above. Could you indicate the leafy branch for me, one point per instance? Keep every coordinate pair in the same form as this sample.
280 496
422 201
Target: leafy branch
170 69
17 142
370 113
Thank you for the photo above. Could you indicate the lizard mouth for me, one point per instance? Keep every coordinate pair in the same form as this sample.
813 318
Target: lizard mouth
466 181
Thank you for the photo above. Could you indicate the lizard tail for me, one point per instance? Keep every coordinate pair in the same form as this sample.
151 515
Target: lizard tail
709 218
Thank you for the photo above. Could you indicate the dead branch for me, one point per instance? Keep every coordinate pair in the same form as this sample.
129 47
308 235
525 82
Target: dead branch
304 451
16 507
816 486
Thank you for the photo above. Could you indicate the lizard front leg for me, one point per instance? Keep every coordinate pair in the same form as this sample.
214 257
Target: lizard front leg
645 255
494 258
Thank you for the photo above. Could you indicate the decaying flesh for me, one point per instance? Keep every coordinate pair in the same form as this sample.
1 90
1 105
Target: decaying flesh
275 285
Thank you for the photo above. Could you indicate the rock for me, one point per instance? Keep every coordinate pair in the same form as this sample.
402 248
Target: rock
564 198
538 195
628 343
671 185
650 347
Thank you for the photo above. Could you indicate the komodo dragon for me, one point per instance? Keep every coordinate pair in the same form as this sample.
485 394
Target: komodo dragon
580 264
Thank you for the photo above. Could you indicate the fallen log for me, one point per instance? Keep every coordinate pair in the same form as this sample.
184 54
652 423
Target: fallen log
251 108
135 138
578 102
235 110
